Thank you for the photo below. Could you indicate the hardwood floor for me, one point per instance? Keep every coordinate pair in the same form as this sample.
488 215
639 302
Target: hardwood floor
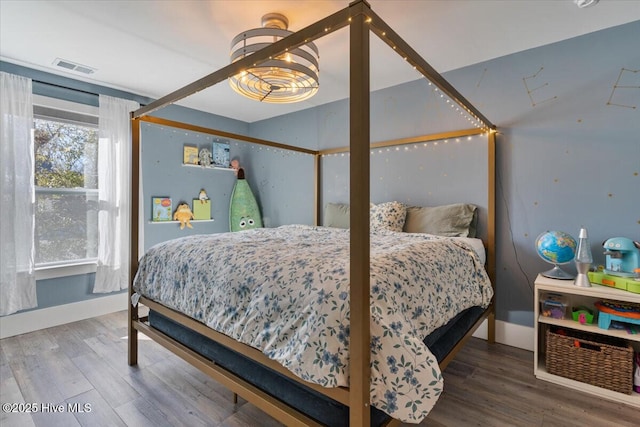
77 375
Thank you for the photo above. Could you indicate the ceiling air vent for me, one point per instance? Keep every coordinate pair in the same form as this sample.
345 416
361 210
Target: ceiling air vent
63 63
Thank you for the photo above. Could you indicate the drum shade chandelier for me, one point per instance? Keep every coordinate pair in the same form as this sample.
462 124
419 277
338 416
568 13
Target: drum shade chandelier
289 77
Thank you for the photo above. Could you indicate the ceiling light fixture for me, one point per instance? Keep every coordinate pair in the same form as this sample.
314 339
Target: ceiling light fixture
290 77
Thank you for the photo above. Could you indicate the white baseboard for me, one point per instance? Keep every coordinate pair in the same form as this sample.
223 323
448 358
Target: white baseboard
29 321
509 334
21 323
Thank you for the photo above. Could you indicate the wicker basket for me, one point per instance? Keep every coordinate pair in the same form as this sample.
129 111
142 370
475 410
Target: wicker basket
592 359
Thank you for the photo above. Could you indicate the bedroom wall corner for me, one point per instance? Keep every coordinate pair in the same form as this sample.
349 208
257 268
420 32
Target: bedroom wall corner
510 334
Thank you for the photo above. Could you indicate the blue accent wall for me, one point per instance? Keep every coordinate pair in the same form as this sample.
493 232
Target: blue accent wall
281 180
164 175
65 290
568 149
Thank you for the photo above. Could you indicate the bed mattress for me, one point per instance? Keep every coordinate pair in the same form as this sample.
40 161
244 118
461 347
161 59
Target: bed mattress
304 399
285 292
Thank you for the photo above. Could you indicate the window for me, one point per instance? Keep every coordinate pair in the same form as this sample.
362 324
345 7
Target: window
66 183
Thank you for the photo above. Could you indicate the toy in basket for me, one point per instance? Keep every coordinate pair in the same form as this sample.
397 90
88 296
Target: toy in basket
623 312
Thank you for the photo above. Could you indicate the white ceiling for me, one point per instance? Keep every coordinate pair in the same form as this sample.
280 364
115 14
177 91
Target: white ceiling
152 48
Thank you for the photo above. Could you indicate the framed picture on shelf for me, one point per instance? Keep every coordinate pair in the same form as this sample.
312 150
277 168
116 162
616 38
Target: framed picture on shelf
161 209
190 155
220 152
201 209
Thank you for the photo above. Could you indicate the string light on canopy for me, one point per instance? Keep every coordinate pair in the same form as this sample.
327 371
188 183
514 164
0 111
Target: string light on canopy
290 77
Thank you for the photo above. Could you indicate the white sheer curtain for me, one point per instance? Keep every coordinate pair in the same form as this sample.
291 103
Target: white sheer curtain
17 196
114 180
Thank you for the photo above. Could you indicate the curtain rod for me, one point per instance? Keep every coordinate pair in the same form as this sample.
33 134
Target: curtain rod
86 92
65 87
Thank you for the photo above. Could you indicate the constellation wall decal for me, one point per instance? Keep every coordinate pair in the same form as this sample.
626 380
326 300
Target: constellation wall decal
481 77
532 92
627 79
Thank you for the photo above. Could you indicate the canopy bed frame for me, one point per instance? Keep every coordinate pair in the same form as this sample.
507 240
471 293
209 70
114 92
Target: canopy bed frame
361 20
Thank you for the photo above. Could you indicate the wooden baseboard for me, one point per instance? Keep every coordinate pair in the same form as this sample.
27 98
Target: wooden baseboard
29 321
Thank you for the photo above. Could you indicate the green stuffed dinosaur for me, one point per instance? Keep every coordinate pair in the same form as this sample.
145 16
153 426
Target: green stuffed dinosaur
244 213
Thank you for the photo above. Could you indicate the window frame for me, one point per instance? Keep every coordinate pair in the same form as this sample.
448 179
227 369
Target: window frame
81 114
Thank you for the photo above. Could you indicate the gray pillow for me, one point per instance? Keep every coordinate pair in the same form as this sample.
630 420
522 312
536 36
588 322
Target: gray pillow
456 220
336 215
385 216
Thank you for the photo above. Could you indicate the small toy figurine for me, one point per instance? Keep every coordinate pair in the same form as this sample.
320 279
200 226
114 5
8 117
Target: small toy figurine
582 318
203 196
235 165
184 215
205 157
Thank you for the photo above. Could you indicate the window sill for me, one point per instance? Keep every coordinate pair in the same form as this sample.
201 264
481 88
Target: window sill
55 271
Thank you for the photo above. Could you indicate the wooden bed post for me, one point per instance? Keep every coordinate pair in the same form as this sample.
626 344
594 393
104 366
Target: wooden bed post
317 188
491 231
361 20
133 240
359 338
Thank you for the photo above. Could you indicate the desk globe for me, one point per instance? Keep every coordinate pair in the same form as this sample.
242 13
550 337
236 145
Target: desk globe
557 248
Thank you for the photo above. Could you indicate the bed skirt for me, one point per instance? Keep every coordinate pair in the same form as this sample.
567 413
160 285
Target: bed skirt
315 405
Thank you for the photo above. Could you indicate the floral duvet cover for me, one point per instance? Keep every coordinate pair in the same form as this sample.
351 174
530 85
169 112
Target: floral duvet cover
285 291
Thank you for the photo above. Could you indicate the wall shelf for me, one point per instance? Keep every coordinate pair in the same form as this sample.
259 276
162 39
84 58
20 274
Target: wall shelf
592 328
178 222
208 167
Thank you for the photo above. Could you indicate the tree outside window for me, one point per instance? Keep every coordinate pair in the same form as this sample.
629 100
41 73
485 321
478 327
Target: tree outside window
66 191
